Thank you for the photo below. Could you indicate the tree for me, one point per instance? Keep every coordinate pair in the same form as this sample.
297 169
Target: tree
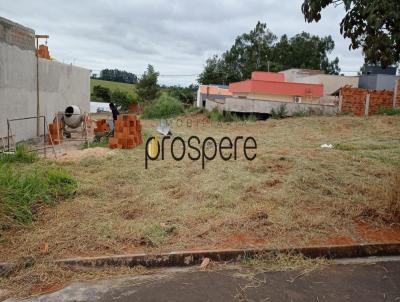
250 52
373 25
121 99
101 93
186 95
116 75
147 88
213 72
305 51
259 50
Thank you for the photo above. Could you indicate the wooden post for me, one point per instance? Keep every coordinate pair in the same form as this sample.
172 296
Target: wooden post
340 100
37 83
367 105
37 88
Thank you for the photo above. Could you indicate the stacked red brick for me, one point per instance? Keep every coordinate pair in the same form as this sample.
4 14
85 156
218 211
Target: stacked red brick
101 126
43 52
127 132
353 100
55 135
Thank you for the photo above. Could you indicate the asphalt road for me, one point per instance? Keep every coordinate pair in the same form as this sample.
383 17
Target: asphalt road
364 281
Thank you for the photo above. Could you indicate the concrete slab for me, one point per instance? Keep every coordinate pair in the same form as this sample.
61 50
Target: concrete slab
354 282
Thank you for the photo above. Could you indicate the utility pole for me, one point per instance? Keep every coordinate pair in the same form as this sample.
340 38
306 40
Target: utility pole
37 83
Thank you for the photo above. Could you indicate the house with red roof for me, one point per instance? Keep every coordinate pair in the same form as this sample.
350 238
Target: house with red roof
271 86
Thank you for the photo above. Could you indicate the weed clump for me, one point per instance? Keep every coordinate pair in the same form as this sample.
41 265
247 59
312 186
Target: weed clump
279 113
23 192
388 111
164 107
21 155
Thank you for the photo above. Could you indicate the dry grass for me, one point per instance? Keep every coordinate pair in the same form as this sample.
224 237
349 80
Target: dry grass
294 193
252 269
44 277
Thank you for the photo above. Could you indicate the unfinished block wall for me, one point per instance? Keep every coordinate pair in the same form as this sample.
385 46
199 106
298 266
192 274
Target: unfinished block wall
380 99
353 100
60 85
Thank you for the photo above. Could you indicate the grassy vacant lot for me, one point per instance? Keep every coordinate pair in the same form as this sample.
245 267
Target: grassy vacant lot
129 88
293 193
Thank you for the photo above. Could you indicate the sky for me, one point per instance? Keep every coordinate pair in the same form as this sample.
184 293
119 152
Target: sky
175 36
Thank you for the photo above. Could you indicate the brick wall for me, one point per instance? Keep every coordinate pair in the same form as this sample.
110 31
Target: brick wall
380 98
398 95
14 34
353 100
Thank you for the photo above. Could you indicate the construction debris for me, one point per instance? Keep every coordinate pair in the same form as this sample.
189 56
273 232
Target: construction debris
205 263
55 133
101 126
127 132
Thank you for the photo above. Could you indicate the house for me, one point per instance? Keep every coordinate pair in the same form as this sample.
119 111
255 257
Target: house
330 82
213 92
267 91
271 86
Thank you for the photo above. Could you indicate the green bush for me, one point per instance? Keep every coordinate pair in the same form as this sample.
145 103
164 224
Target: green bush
280 113
186 95
21 155
215 115
22 191
122 99
101 94
164 107
388 111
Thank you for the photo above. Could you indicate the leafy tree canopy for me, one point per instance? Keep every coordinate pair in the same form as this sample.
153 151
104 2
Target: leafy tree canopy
116 75
373 25
101 93
147 88
260 50
121 99
186 95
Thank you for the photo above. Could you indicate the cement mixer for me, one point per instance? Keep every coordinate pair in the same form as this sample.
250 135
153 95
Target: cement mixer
73 117
71 120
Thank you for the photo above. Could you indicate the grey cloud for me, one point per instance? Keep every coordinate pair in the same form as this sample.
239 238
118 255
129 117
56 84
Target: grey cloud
176 36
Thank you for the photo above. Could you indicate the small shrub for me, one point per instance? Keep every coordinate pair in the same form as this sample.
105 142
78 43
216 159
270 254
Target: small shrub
251 118
301 113
164 107
21 155
388 111
215 115
280 113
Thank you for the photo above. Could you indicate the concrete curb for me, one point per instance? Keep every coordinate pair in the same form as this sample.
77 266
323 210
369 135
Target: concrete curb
187 258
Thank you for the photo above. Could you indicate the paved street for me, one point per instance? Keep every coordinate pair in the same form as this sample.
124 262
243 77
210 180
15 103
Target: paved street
365 281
